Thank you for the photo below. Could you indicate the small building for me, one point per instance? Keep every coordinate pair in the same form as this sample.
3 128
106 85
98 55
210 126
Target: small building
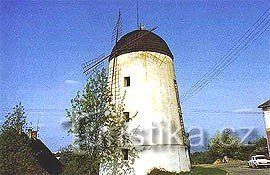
44 156
266 113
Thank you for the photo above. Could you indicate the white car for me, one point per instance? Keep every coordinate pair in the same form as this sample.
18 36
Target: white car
259 161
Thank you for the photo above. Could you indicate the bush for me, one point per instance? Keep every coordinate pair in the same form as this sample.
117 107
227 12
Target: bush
227 144
161 171
260 147
241 152
201 158
74 162
195 171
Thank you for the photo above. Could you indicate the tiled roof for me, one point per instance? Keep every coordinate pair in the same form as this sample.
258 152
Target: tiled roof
45 157
141 40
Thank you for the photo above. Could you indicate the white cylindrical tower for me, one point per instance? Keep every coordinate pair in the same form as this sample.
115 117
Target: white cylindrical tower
144 72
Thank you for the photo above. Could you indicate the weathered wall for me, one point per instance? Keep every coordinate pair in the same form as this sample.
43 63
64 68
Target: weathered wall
152 96
266 114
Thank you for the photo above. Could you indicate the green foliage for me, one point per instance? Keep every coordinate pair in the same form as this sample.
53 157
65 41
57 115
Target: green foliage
16 120
201 158
74 162
260 147
16 155
99 127
224 144
160 171
227 144
198 170
246 151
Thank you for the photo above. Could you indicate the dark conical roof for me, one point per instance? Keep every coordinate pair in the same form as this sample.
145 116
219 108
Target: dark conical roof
141 40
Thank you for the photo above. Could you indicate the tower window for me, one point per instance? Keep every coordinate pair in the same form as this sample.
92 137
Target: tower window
126 114
125 154
126 81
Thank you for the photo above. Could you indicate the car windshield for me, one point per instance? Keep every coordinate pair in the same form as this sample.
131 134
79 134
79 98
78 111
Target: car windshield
261 157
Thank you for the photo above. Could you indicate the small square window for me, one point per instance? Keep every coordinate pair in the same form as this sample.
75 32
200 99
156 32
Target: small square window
125 154
126 114
126 81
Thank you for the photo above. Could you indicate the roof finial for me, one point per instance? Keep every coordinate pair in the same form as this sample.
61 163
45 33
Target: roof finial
138 23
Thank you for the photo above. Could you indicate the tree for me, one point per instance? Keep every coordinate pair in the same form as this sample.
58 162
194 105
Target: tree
15 152
224 144
99 127
227 144
260 146
74 163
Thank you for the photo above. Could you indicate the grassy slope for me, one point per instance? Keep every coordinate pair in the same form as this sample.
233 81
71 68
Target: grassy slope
205 171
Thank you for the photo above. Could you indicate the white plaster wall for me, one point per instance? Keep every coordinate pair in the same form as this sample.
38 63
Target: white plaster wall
266 114
267 118
152 96
172 158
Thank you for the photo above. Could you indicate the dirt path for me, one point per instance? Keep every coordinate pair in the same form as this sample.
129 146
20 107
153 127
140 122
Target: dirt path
241 169
245 170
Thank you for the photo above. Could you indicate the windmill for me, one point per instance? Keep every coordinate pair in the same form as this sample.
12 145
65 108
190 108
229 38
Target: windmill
142 65
90 66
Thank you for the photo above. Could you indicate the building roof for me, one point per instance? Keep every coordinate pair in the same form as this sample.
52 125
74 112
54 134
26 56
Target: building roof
265 104
141 40
45 157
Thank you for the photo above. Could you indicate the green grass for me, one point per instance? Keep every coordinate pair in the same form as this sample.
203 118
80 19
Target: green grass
195 171
205 171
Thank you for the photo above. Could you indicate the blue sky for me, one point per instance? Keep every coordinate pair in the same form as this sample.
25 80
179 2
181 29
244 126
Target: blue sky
44 43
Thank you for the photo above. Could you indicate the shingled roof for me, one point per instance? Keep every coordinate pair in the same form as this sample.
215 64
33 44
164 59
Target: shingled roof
141 40
45 157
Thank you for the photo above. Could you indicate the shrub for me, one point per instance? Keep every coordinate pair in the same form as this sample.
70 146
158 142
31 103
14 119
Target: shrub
161 171
201 158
